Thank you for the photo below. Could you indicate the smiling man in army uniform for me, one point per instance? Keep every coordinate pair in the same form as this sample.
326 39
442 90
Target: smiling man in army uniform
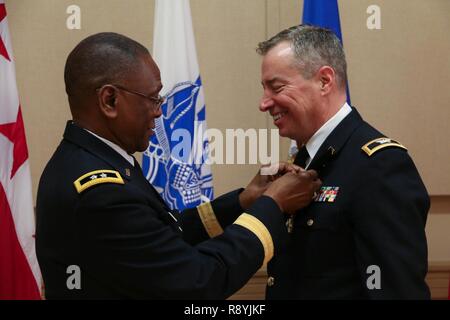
363 235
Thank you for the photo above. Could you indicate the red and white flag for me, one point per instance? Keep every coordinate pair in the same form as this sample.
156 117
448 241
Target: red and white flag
20 276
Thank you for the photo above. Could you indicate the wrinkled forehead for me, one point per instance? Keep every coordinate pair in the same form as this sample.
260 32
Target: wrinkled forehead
282 50
281 53
277 61
147 72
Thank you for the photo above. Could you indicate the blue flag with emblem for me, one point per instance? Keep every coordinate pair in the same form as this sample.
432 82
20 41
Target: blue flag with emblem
175 161
325 14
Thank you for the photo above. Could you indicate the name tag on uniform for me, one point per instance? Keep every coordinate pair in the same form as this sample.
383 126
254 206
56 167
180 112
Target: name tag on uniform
326 194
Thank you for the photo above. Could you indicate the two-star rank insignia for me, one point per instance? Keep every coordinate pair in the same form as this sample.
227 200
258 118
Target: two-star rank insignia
96 177
326 194
373 146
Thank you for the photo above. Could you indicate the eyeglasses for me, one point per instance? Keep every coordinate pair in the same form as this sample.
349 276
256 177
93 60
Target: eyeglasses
157 101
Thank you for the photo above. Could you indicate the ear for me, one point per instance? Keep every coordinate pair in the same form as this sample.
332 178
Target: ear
326 79
107 101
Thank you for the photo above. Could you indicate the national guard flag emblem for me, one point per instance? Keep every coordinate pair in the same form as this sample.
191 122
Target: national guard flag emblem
326 194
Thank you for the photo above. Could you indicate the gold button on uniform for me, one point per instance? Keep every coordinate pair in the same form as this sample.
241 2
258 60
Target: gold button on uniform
310 222
270 281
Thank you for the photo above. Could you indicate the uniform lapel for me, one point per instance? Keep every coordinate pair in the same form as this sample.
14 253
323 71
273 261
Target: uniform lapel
146 184
98 148
335 141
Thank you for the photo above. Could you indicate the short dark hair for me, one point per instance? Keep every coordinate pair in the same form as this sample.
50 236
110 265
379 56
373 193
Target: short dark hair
100 59
313 48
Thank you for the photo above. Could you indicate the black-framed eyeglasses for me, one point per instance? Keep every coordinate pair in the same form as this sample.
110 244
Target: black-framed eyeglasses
157 101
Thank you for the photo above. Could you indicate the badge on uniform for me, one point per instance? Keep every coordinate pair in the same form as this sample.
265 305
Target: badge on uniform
96 177
326 194
379 144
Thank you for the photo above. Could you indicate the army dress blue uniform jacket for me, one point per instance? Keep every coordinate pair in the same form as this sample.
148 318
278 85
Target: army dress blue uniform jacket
363 236
98 213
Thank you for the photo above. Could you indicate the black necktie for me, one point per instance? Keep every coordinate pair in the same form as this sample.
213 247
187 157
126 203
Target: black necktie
301 157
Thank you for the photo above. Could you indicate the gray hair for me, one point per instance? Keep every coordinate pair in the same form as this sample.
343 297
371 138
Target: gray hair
313 48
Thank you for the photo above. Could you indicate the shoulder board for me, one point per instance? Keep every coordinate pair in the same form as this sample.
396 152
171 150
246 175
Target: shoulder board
373 146
96 177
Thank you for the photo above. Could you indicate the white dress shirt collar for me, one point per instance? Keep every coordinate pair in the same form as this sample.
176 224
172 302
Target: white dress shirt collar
115 147
319 137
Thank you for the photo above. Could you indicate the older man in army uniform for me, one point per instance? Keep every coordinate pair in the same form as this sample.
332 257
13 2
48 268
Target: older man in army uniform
363 235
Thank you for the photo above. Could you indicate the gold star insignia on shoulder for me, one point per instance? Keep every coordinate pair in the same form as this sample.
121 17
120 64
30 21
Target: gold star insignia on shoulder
96 177
375 145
